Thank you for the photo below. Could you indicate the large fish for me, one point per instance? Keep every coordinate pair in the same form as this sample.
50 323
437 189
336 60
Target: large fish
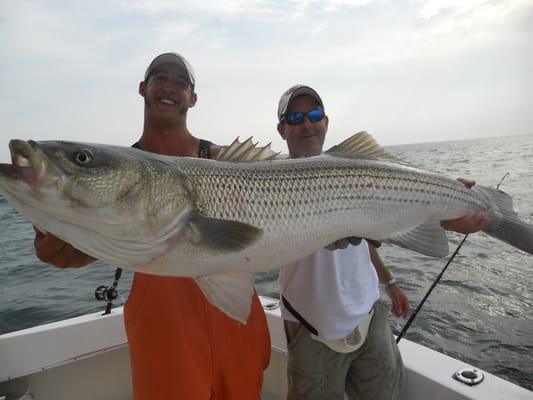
220 221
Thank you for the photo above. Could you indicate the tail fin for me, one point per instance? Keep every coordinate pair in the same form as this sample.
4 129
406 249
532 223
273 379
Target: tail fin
505 224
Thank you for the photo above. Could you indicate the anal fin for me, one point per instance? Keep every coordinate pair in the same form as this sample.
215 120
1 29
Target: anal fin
231 293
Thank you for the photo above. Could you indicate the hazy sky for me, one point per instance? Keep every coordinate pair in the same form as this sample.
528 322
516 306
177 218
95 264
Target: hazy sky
405 71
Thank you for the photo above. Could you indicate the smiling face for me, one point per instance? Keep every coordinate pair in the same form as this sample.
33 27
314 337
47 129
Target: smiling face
167 93
305 139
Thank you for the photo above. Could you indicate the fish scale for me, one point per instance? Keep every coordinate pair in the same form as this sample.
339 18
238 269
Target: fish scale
301 189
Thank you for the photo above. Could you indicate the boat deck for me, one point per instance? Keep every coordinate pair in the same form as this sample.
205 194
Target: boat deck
87 357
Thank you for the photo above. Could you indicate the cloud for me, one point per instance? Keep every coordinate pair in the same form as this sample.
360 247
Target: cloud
222 8
170 32
406 71
433 8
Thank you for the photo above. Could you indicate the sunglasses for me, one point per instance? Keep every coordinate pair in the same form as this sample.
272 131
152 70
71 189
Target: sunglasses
296 118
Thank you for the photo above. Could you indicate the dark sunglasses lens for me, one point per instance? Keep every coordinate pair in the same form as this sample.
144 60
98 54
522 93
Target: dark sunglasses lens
315 115
294 118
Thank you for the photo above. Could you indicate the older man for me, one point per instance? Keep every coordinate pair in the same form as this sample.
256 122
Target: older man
337 333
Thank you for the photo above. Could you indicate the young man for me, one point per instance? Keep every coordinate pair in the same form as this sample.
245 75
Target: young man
334 293
181 347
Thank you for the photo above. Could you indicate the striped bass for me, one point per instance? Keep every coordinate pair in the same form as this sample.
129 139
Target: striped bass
220 221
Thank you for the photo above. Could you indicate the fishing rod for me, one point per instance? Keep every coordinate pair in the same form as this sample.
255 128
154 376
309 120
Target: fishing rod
437 280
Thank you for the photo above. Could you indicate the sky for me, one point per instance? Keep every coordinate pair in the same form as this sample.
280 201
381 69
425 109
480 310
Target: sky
404 71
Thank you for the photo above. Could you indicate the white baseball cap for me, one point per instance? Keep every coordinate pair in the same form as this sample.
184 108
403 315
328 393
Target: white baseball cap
171 58
291 93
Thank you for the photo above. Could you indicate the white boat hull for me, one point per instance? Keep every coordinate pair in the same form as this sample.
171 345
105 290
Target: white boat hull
87 358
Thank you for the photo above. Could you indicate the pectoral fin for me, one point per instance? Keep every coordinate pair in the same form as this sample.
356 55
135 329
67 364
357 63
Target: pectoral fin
221 234
231 293
429 239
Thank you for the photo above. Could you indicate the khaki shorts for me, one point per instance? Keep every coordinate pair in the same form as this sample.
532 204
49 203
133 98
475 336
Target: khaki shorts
373 372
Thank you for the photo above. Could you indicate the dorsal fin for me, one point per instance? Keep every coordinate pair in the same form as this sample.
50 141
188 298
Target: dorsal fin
363 145
246 151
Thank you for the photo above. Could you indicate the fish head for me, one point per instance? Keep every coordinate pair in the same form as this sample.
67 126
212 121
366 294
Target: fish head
81 175
30 167
114 191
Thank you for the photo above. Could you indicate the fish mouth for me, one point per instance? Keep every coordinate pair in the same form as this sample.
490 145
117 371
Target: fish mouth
28 163
22 153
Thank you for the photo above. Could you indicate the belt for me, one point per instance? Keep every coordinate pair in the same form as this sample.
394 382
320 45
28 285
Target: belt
353 341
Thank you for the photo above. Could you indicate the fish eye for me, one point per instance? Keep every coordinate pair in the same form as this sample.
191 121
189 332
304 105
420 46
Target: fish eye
83 156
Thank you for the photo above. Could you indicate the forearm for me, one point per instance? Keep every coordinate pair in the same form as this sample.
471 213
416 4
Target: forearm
400 302
383 272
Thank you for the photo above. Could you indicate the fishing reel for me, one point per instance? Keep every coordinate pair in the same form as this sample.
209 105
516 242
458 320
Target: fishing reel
106 293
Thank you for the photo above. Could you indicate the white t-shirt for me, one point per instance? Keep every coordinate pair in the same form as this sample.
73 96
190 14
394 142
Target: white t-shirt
332 290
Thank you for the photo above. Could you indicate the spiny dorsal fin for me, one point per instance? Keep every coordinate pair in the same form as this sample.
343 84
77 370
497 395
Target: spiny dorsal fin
246 151
363 145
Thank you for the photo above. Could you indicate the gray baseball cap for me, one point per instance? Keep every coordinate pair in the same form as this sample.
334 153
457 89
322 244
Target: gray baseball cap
291 93
171 58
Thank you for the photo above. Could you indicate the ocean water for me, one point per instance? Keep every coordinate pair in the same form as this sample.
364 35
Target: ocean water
481 312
